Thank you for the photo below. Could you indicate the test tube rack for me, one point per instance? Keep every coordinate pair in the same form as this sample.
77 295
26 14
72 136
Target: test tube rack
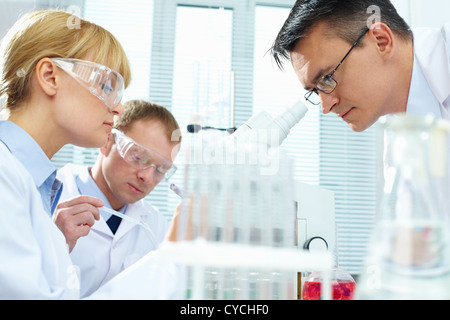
274 270
237 229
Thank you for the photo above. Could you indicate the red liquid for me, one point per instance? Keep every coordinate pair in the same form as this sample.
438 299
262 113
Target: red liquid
341 290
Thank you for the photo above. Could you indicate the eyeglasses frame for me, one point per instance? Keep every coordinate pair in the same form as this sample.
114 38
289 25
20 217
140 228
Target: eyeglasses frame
330 76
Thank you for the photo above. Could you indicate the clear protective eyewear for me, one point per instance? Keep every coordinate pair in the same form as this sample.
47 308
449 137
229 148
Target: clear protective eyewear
106 84
142 157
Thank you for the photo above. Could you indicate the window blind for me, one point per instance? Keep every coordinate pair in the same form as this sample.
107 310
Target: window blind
131 23
348 166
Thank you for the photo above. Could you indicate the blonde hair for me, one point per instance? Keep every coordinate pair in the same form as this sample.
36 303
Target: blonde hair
135 110
47 33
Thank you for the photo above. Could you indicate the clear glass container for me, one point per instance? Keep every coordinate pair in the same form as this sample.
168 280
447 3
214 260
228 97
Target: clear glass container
342 284
409 252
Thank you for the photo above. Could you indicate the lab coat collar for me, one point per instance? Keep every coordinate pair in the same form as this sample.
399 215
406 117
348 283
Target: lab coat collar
134 210
87 185
432 53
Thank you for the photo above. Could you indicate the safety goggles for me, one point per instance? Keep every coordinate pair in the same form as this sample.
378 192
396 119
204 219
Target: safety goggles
106 84
141 157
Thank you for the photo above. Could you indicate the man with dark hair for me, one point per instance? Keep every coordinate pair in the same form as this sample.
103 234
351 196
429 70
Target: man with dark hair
360 60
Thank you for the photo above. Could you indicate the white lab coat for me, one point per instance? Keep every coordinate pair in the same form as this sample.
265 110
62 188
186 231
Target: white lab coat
432 51
35 259
432 54
101 255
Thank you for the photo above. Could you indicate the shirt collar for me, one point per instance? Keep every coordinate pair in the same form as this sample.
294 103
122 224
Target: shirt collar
86 185
28 151
35 161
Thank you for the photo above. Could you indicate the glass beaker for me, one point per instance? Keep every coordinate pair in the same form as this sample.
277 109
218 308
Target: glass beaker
408 255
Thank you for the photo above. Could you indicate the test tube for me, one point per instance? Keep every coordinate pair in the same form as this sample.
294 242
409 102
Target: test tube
235 203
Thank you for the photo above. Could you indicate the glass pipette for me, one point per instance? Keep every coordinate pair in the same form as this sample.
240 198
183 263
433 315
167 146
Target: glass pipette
132 220
177 190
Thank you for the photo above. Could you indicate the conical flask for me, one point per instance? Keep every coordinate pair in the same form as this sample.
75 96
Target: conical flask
342 283
409 253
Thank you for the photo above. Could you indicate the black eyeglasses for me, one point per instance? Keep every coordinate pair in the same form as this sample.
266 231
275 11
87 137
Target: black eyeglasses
327 84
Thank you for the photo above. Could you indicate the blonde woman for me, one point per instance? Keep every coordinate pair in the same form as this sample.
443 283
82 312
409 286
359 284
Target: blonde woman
62 86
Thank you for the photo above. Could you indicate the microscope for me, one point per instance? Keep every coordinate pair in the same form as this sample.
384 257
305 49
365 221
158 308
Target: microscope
315 229
315 221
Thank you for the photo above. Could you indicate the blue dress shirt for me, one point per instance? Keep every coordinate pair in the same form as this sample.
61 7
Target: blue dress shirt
33 158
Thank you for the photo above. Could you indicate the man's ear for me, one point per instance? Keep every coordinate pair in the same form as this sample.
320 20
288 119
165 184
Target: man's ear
106 149
46 76
384 39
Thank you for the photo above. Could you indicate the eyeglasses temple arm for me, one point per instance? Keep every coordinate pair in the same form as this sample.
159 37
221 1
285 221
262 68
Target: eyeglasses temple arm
354 45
